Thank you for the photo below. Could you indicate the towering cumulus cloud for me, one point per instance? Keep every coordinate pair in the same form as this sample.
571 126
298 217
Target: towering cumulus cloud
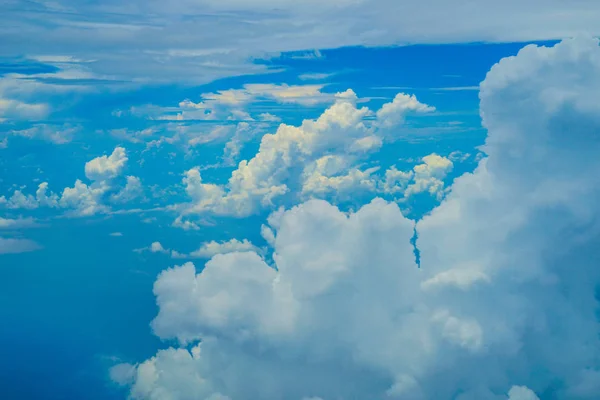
503 306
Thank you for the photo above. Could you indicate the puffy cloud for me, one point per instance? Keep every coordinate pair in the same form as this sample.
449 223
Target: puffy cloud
84 199
14 246
341 130
504 305
106 167
521 393
206 250
229 104
429 176
331 175
212 248
60 134
15 109
155 247
123 374
133 189
392 114
41 198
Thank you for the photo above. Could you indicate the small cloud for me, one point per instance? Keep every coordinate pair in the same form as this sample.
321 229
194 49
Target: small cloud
18 223
315 76
268 117
212 248
14 246
116 234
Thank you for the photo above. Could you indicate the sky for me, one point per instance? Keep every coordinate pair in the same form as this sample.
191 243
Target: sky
353 199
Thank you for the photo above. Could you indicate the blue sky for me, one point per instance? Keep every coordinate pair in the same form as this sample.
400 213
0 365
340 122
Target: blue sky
220 201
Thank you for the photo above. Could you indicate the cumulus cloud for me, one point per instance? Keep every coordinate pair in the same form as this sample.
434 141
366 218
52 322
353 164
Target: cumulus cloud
342 134
230 103
84 199
504 305
206 250
212 248
429 176
106 167
133 189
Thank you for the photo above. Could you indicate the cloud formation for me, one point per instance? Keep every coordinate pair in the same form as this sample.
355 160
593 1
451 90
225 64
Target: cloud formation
84 199
161 42
503 307
306 156
13 246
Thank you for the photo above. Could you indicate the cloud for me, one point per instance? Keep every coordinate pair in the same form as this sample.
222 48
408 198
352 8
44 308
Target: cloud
16 109
14 246
160 42
429 176
155 247
115 234
41 198
206 250
315 76
392 114
212 248
341 131
19 223
229 104
60 134
504 305
133 189
84 199
106 167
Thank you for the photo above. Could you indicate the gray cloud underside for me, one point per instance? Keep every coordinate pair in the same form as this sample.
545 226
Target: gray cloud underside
204 40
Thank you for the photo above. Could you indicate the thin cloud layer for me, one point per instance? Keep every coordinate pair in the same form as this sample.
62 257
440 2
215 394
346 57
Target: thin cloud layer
503 307
161 41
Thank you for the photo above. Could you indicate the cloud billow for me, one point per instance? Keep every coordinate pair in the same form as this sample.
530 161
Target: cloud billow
503 306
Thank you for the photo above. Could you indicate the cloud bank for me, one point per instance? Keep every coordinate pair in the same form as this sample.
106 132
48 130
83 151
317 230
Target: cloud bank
504 305
136 41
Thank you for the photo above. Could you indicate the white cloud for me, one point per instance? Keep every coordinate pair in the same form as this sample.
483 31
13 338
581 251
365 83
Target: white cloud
123 374
458 156
212 248
57 134
510 310
133 189
83 199
106 167
521 393
155 247
330 175
18 223
268 117
159 42
14 246
342 129
429 176
206 250
41 198
315 76
229 104
392 114
116 234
